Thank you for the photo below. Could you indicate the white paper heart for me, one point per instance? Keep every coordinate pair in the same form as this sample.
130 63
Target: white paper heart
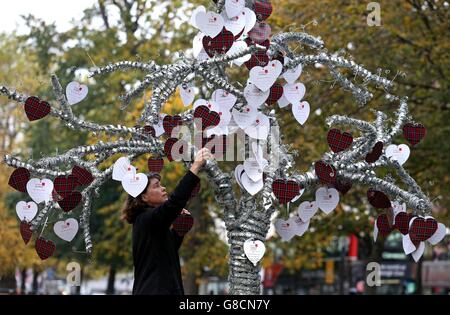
299 195
408 246
159 128
76 92
327 199
375 231
238 171
121 167
202 55
223 99
294 92
291 75
234 7
265 77
192 20
399 153
187 94
306 210
244 118
300 226
418 252
253 169
134 184
210 104
254 96
283 102
197 45
235 24
67 229
259 128
237 47
40 190
301 112
254 250
250 19
209 23
285 229
26 211
397 208
438 235
250 186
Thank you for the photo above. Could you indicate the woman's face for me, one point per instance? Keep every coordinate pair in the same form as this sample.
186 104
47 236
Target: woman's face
155 194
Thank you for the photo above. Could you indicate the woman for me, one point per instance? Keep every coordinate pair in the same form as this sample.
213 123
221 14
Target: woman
155 244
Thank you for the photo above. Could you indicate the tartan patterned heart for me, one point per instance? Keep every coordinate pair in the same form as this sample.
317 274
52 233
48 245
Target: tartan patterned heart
19 179
342 186
44 248
279 56
56 196
149 130
414 133
378 199
326 172
196 190
218 45
375 154
65 185
70 201
208 117
36 109
155 165
168 145
183 224
422 229
339 141
402 220
258 59
276 91
263 9
383 225
170 122
285 190
83 176
25 231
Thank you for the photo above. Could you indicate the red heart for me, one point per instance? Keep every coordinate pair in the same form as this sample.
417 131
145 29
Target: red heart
25 231
339 141
276 92
378 199
285 190
36 109
342 186
263 9
65 185
168 147
414 132
70 201
280 57
149 130
208 117
218 45
183 224
375 154
422 229
83 176
402 220
44 248
55 196
383 225
196 190
19 179
258 59
155 165
170 122
260 32
326 172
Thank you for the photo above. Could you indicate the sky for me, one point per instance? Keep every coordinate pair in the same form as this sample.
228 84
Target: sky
50 11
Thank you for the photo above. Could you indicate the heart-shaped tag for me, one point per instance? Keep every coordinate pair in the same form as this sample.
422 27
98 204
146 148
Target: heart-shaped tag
121 167
418 252
26 211
224 99
343 186
252 187
408 245
235 25
206 118
259 58
422 229
44 248
260 32
25 231
300 226
285 190
238 171
254 250
397 208
155 165
339 141
325 172
70 201
187 94
183 224
238 47
401 222
66 230
250 19
174 149
209 23
197 45
40 190
378 199
193 18
244 118
414 133
36 109
259 128
263 9
283 102
84 177
291 75
265 77
159 128
375 154
65 185
218 45
254 96
399 153
134 184
301 111
253 169
76 92
327 199
276 91
19 179
383 225
294 92
170 123
306 210
285 229
438 235
234 7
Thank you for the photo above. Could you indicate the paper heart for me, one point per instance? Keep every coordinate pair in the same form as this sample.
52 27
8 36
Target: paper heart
299 195
171 122
197 45
325 172
260 32
64 185
263 9
159 128
207 118
327 199
253 169
254 96
44 248
246 117
291 75
280 57
19 179
306 210
342 186
259 58
276 91
121 167
254 250
174 149
408 245
155 165
397 208
285 229
69 202
438 235
66 230
238 171
183 224
36 109
218 45
414 133
250 19
40 190
301 111
339 141
383 225
192 20
187 94
26 211
76 92
235 25
258 128
25 231
234 7
265 77
418 252
134 185
285 190
378 199
224 99
84 177
422 229
283 102
401 222
294 92
209 23
398 153
238 47
375 154
300 226
210 104
252 187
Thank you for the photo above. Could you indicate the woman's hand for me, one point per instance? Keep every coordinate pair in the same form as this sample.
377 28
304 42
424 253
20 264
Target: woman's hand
200 160
185 211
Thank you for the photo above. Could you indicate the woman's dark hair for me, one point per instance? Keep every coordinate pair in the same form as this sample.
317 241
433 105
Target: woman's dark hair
135 206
